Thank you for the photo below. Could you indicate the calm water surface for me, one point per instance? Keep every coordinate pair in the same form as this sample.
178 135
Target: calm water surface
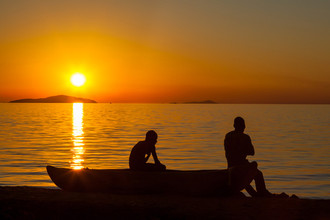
292 142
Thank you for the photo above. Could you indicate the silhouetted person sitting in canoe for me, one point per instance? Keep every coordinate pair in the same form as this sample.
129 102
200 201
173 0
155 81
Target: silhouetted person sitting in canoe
238 146
141 152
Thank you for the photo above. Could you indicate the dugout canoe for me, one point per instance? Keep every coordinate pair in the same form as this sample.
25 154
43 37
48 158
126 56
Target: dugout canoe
197 182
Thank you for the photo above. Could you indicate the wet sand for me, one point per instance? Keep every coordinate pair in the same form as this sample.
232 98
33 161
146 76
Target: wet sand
40 203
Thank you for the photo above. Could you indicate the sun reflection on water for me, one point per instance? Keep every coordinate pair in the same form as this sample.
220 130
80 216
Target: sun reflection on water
77 136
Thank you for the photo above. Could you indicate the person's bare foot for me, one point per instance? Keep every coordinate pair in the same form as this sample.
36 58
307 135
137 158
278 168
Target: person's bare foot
265 193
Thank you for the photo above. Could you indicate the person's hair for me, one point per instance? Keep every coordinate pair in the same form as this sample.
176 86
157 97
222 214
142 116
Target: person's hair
239 122
151 135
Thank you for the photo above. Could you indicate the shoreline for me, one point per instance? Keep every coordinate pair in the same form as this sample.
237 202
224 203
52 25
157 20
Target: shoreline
22 202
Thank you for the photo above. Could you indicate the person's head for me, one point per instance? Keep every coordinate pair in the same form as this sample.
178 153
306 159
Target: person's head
239 124
151 136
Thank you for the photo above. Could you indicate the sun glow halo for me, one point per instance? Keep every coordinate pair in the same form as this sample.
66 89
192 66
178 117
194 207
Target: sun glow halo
78 79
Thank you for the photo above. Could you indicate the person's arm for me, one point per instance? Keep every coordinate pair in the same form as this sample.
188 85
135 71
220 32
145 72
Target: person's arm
226 146
249 146
226 143
147 157
154 155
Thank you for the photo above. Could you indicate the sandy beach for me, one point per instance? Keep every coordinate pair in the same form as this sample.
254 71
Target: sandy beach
41 203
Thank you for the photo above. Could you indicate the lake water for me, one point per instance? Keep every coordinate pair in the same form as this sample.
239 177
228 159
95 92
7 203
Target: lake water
292 142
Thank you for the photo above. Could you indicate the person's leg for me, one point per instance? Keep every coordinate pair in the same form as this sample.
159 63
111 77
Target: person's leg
260 184
251 191
254 168
154 167
161 167
260 181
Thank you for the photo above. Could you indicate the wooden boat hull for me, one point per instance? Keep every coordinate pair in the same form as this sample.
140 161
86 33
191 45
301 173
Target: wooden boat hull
199 182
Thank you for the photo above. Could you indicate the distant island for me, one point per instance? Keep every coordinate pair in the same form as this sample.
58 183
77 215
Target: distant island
55 99
200 102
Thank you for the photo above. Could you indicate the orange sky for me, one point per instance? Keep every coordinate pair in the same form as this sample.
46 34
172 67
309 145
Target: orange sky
167 51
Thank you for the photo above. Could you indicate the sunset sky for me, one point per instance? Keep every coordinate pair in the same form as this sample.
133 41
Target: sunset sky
167 51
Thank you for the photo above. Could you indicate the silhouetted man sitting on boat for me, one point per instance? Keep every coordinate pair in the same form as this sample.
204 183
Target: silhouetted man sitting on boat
237 147
141 152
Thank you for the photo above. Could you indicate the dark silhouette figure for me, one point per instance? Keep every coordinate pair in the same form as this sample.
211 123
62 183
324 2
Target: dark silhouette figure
237 147
141 152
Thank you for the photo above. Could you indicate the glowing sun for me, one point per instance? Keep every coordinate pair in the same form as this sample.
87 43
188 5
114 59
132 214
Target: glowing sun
78 79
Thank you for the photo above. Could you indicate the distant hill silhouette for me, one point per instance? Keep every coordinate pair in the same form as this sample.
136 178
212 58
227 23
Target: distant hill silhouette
199 102
55 99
